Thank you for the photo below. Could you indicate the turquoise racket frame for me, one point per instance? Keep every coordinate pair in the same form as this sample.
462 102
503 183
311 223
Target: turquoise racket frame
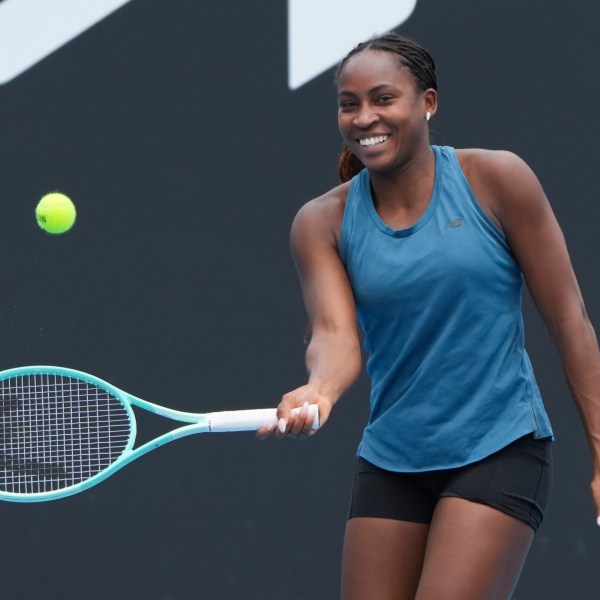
198 423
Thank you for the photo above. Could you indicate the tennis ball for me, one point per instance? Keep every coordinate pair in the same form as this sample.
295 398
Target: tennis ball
55 213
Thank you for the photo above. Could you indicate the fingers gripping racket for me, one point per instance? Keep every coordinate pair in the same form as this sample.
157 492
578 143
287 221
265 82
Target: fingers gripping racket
63 431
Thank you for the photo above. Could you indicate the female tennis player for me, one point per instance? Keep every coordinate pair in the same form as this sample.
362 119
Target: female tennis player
426 248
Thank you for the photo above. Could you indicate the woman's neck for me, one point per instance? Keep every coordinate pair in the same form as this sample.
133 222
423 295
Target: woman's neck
402 196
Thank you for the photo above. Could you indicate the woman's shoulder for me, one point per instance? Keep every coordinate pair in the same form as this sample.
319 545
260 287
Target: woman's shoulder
500 180
499 173
490 163
320 219
326 208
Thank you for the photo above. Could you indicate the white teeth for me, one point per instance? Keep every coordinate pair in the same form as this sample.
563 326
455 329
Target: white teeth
373 140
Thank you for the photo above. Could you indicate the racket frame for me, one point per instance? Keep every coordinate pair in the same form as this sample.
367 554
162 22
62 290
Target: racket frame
224 421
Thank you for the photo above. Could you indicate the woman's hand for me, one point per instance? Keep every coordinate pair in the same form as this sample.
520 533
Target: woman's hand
301 424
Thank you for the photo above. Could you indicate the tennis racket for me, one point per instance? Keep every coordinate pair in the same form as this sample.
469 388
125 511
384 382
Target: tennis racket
63 431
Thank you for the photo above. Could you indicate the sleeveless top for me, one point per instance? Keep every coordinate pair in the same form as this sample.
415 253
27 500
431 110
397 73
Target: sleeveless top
439 304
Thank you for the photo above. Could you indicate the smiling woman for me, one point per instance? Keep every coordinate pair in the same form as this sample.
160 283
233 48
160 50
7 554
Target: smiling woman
394 91
426 247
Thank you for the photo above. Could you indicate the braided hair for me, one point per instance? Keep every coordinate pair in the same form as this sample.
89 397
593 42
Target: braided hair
411 55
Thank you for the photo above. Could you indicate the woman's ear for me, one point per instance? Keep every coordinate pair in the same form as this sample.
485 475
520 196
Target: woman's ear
430 101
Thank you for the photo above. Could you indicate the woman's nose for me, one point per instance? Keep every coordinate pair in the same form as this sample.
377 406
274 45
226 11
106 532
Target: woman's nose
365 117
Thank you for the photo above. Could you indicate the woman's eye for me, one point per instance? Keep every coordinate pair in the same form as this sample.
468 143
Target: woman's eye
384 99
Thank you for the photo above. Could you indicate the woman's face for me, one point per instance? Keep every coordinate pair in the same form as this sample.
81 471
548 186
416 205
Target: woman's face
382 114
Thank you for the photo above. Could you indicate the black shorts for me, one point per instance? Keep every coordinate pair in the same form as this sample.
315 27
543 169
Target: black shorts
515 480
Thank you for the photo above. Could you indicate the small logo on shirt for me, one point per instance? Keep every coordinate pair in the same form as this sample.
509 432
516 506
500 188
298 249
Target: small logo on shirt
454 223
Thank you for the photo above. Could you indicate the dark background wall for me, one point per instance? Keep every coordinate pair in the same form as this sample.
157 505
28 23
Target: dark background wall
172 127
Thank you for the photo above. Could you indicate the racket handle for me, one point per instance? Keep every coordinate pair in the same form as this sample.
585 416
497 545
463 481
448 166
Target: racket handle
251 420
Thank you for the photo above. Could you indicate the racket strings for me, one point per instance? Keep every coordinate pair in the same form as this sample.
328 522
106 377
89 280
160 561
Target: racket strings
57 431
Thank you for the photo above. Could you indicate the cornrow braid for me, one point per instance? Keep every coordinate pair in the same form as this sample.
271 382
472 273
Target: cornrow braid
411 55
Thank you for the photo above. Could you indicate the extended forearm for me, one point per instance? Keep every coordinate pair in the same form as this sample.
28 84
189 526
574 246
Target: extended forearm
578 347
333 361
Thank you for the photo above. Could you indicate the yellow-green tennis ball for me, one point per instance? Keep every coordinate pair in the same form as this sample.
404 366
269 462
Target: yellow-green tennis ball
55 213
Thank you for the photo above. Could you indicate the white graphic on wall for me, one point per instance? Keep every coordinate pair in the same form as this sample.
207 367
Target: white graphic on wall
321 32
30 30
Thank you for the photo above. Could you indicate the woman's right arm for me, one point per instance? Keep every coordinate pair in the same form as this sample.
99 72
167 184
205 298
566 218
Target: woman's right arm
333 356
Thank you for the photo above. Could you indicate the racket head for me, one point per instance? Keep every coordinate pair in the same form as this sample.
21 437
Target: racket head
62 431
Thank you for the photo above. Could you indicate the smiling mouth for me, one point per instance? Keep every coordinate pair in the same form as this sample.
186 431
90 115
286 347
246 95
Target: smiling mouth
373 141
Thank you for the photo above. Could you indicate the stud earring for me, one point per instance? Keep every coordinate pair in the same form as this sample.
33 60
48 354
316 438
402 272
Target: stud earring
427 116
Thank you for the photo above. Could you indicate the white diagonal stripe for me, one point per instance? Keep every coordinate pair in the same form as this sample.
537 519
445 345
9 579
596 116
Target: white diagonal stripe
321 32
30 30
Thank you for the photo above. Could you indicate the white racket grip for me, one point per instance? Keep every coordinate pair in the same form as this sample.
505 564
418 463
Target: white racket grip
250 420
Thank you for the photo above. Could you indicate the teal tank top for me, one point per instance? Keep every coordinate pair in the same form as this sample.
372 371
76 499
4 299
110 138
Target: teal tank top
439 304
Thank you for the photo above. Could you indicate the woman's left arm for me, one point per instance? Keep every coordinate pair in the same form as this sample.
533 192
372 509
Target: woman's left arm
519 205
